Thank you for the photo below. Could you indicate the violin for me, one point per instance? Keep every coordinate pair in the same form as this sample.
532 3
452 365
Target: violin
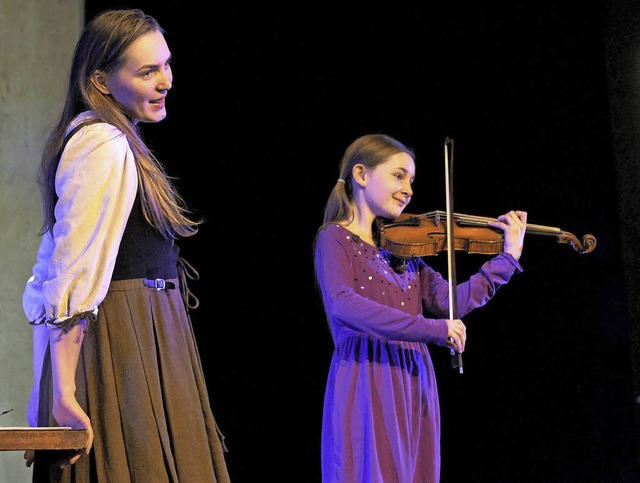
412 235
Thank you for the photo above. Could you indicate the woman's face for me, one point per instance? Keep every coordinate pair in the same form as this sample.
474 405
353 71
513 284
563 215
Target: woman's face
388 185
141 83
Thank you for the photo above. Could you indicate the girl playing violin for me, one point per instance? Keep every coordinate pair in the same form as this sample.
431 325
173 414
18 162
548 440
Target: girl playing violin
381 418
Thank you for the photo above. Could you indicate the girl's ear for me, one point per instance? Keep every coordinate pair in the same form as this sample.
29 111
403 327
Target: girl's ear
99 81
358 172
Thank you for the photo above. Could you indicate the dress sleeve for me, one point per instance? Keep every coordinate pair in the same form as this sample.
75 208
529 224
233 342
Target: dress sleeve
345 307
96 185
471 294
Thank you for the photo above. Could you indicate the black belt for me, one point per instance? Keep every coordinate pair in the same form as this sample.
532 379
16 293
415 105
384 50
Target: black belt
159 284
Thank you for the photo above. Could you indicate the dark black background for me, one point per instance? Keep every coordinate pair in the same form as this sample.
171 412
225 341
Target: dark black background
266 98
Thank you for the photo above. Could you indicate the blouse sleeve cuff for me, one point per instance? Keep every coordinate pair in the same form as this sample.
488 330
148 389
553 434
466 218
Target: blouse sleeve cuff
68 323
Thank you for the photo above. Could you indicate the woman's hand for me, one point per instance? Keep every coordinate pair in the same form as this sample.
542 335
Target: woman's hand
67 412
514 226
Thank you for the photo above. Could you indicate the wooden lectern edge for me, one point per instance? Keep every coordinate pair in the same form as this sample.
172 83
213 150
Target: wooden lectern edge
46 438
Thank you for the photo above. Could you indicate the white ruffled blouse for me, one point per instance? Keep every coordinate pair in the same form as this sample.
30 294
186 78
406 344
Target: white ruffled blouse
96 183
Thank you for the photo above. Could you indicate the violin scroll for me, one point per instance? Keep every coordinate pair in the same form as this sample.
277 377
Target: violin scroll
587 245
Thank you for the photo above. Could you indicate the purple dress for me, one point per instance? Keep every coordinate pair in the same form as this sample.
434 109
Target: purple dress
381 419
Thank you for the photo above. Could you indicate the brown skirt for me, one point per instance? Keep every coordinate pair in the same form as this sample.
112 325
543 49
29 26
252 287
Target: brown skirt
140 380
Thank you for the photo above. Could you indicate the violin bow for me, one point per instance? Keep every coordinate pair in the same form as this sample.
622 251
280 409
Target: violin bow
456 357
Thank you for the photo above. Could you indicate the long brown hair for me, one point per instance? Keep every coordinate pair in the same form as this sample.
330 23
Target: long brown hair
101 46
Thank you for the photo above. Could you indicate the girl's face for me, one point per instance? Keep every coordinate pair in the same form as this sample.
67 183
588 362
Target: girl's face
141 83
388 185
